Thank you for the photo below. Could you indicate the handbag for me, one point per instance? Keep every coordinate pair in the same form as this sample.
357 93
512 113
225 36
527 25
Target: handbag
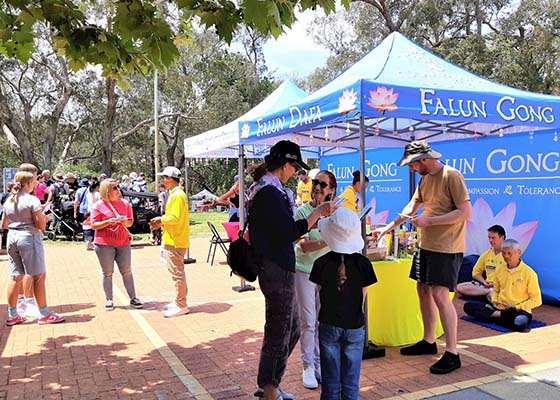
242 258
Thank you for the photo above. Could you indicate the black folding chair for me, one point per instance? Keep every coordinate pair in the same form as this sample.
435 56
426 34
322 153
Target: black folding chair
216 241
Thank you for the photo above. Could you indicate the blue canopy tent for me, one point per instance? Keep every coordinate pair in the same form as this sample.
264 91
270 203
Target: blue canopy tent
224 142
400 92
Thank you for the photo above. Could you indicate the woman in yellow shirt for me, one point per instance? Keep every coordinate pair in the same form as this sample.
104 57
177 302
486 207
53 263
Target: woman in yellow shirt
351 193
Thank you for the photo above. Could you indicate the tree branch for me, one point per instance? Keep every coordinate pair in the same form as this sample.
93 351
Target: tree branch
148 122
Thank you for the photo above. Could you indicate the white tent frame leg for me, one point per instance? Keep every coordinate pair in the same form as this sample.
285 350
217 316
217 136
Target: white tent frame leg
370 349
243 286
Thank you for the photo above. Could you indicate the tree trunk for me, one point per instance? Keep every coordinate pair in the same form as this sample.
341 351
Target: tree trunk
54 120
23 145
479 17
172 145
107 134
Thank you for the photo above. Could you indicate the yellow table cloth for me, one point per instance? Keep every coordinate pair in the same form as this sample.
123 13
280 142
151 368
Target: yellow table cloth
394 317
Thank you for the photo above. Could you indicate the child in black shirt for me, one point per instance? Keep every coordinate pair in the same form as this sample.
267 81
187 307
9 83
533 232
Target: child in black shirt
343 275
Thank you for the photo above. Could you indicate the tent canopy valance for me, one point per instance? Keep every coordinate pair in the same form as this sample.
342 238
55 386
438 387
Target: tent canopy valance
400 91
223 142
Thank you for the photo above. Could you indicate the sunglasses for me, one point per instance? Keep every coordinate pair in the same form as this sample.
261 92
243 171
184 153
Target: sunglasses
316 182
114 188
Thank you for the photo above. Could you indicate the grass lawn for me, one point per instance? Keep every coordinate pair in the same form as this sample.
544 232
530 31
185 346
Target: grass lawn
199 227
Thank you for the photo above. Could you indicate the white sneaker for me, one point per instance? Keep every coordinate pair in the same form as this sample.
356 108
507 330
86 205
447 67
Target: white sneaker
170 305
318 373
308 377
175 311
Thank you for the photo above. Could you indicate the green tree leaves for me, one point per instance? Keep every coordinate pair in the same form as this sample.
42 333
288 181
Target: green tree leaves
136 38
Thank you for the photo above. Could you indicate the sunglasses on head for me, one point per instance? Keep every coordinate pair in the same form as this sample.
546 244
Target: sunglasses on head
316 182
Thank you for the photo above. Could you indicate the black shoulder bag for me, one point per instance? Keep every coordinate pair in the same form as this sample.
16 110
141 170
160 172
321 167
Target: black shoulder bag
242 258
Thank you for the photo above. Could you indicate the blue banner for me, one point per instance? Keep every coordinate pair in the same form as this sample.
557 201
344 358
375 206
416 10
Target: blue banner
387 191
513 181
8 176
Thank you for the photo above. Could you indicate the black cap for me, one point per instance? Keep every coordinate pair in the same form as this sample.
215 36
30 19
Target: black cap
288 151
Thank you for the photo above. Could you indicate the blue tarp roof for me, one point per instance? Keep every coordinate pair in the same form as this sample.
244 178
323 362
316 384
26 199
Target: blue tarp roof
403 91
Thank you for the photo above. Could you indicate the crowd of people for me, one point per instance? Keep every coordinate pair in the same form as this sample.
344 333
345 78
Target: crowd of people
313 275
106 216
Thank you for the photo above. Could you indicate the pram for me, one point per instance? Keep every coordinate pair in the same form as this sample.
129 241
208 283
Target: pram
64 223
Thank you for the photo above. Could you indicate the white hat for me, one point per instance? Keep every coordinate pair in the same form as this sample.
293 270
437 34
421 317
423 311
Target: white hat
342 231
171 172
313 173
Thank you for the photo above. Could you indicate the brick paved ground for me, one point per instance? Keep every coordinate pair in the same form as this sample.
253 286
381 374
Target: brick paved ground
211 353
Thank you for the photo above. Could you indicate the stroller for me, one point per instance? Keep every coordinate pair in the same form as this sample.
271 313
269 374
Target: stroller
64 223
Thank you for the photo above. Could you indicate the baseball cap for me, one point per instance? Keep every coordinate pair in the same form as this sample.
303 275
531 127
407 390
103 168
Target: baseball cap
287 151
171 172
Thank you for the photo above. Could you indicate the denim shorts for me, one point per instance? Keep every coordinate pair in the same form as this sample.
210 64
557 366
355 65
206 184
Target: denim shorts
25 250
436 269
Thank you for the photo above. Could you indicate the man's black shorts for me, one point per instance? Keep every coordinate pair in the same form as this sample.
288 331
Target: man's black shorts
436 269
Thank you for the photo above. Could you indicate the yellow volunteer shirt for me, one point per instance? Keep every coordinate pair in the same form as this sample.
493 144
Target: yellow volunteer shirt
176 220
304 190
488 262
518 288
351 202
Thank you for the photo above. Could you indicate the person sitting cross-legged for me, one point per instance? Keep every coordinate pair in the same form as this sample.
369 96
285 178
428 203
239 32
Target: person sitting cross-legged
516 292
485 268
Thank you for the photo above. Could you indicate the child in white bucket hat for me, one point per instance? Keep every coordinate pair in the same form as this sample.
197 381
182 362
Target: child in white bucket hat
343 275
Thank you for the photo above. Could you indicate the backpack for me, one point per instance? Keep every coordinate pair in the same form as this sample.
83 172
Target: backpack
242 258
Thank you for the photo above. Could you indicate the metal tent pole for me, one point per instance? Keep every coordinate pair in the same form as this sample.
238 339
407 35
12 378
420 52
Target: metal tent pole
156 128
187 259
370 349
243 286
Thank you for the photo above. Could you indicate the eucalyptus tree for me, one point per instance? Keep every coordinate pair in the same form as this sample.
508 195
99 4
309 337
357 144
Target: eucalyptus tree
33 100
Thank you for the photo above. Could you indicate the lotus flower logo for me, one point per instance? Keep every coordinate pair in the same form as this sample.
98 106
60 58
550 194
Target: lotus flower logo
245 131
383 99
379 218
483 218
347 102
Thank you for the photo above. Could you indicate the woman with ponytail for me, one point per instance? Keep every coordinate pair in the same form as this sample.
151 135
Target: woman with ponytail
343 275
26 222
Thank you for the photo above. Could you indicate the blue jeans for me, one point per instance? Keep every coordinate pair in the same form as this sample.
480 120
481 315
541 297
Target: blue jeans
107 256
341 361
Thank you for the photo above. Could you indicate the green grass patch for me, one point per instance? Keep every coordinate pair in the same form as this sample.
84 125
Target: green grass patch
198 227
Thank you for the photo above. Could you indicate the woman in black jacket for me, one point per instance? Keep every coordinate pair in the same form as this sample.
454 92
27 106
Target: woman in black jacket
272 231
